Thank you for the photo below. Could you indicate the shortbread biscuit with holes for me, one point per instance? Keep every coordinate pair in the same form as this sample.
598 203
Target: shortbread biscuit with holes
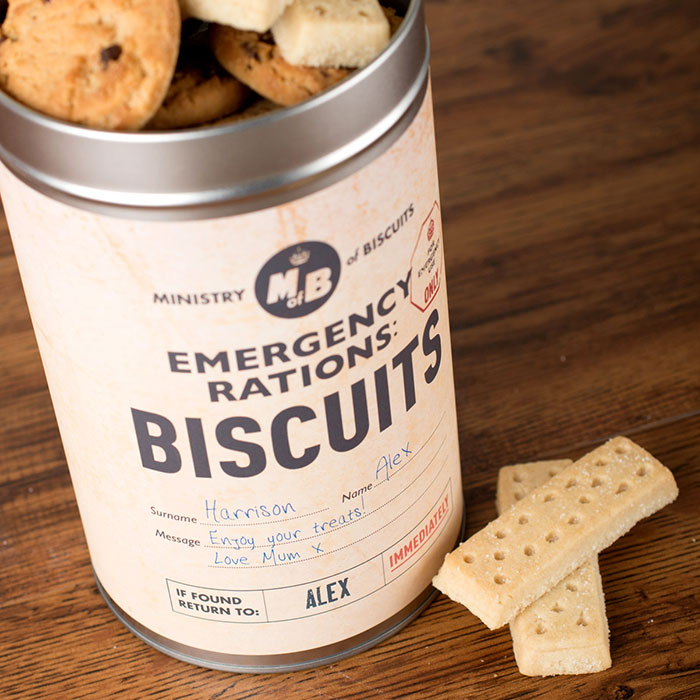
517 480
256 61
553 530
331 32
103 64
566 630
254 15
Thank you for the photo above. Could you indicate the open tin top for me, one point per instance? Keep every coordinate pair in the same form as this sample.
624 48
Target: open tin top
230 168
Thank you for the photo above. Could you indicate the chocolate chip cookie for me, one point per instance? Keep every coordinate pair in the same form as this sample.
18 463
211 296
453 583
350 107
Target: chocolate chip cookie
104 64
201 90
256 61
393 18
256 108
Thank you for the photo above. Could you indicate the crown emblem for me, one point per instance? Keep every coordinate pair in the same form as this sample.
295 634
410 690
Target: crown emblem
299 256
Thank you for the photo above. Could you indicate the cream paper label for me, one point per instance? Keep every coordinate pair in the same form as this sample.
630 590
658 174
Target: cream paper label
258 411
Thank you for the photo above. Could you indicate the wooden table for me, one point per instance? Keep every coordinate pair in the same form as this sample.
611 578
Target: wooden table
569 146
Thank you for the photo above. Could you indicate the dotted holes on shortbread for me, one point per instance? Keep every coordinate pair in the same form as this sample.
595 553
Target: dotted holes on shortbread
582 621
622 487
557 608
529 551
468 558
552 537
540 629
523 520
574 520
571 483
584 500
597 482
499 580
548 497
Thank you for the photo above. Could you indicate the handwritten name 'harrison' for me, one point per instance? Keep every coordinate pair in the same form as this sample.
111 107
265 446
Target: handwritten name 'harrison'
221 514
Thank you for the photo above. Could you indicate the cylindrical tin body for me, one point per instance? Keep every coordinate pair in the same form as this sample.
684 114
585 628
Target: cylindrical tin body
244 330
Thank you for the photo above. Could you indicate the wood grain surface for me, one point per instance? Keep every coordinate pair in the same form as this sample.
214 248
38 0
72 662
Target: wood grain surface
569 151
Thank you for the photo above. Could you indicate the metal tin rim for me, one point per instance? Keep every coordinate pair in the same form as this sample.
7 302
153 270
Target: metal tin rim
213 165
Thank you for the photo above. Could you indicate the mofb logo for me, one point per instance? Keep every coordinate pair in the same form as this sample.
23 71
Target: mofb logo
298 279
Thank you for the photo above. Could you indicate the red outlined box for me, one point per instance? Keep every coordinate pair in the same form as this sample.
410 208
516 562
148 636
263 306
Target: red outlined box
418 541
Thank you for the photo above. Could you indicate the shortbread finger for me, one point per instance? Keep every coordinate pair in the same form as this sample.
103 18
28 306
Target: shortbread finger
566 630
551 532
255 15
331 32
517 480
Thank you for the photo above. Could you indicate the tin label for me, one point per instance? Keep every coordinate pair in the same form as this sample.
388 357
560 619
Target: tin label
257 411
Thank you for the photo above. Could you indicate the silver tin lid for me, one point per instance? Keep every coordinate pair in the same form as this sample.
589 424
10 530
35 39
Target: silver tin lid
214 170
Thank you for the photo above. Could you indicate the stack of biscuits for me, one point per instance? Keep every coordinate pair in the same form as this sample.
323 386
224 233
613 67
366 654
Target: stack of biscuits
535 567
172 64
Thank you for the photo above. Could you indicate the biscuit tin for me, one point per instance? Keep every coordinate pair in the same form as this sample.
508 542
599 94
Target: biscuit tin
245 335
